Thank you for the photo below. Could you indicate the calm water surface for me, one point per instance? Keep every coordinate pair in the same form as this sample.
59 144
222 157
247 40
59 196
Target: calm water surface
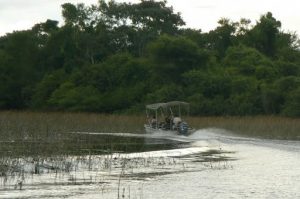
210 163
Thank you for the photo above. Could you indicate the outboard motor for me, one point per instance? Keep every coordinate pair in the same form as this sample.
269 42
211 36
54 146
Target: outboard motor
183 128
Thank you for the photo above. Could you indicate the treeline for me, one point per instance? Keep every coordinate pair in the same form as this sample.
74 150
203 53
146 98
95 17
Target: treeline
117 57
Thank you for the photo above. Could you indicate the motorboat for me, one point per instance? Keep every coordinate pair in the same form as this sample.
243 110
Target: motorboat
168 118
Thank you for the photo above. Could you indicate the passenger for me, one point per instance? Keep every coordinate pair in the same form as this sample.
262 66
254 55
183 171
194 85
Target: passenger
168 122
153 122
176 121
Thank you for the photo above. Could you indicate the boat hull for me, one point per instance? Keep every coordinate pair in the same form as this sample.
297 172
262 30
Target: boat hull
149 129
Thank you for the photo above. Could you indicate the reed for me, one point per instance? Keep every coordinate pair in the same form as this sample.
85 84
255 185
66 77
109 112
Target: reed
40 124
52 127
46 142
35 133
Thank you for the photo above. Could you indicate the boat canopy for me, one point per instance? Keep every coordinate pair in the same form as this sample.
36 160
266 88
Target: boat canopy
165 105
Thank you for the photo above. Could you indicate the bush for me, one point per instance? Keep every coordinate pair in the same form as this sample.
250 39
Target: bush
292 106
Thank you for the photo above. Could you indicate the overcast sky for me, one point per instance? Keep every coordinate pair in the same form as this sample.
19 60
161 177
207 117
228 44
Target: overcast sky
199 14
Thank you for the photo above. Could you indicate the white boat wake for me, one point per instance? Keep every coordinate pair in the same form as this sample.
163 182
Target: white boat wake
199 135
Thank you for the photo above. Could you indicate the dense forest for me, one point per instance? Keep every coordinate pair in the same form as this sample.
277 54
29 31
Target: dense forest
116 57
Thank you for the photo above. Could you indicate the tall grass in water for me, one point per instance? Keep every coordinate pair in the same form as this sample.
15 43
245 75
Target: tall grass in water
36 124
272 127
45 141
34 133
51 127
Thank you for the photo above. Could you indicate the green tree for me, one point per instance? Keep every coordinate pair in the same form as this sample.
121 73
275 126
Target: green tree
264 35
72 98
18 68
46 87
172 56
288 68
135 25
247 61
222 37
292 105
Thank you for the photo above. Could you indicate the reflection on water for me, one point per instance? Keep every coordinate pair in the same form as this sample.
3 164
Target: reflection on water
210 163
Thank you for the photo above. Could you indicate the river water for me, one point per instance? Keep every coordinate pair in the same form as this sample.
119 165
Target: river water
211 163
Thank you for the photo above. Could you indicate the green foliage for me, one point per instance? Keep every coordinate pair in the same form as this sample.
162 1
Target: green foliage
46 87
179 51
245 60
287 84
117 57
18 68
272 99
172 56
70 97
222 37
166 93
288 68
292 106
265 35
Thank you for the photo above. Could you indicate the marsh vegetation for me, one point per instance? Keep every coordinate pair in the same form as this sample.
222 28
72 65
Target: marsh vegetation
115 57
112 152
56 126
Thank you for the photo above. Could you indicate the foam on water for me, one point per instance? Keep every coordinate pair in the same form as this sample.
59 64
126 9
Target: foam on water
202 134
162 153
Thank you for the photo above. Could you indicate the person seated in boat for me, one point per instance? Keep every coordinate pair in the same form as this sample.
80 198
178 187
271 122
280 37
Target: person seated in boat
176 121
168 122
153 122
